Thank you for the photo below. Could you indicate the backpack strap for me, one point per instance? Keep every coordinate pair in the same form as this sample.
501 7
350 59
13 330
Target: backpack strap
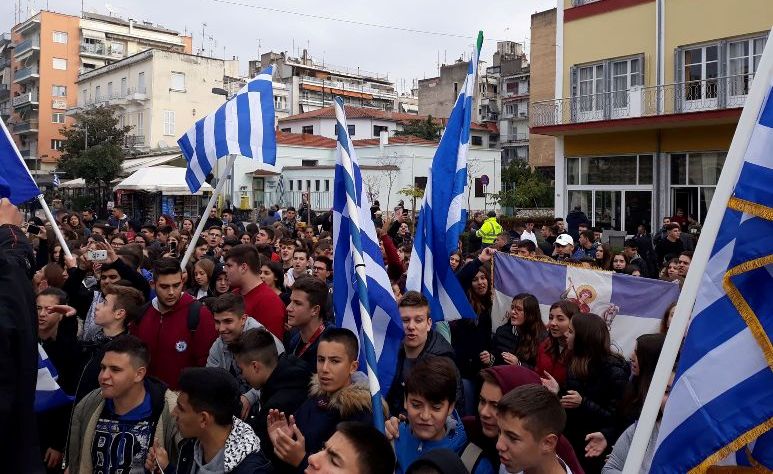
470 456
194 315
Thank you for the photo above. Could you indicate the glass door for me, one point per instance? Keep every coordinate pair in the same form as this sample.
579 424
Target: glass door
591 90
625 74
638 210
701 70
606 211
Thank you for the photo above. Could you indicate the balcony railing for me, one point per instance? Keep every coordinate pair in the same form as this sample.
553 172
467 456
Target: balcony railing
116 98
28 126
25 73
24 99
93 48
348 87
5 93
684 97
134 140
515 138
577 3
26 45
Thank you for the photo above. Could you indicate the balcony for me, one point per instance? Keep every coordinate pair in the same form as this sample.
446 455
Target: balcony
93 49
4 63
348 86
515 139
28 153
25 74
710 95
29 126
29 44
131 141
5 93
28 98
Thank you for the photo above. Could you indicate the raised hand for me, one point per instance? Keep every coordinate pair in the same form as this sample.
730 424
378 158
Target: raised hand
597 443
550 383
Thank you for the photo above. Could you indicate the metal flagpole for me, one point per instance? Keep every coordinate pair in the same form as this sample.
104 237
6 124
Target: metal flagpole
54 225
724 191
205 215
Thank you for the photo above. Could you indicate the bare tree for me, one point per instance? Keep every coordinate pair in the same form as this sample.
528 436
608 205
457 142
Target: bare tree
372 184
390 169
473 170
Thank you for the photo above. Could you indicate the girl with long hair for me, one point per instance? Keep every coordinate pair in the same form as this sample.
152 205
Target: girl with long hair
455 261
188 225
670 272
595 385
202 275
604 257
619 262
554 355
165 220
517 341
272 275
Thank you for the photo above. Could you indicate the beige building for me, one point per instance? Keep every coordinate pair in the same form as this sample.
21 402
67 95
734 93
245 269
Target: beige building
543 73
160 94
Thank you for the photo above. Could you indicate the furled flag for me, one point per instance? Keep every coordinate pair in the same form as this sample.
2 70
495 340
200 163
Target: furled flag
244 126
48 394
280 189
362 300
625 302
722 397
442 217
16 182
55 183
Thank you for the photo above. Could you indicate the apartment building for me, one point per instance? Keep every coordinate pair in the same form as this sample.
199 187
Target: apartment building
6 54
50 50
646 100
160 94
512 72
437 95
313 85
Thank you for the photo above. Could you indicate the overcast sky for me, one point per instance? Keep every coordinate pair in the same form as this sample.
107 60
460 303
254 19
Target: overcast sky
240 28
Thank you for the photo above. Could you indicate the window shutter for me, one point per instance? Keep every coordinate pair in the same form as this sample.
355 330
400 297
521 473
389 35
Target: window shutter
723 82
575 101
607 95
679 86
642 81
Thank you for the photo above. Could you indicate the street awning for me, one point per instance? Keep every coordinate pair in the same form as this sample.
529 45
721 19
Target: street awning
167 180
130 166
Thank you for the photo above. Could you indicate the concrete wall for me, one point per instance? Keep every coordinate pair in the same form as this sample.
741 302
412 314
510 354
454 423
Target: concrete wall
436 95
543 73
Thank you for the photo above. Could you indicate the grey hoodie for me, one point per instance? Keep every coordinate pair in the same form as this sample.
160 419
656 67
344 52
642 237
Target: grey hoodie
220 356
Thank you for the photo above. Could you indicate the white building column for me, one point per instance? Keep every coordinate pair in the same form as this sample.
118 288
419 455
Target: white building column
560 181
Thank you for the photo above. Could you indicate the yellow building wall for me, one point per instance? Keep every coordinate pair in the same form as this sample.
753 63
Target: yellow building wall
690 21
625 32
672 140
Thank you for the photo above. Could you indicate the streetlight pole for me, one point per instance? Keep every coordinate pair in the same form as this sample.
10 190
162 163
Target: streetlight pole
228 173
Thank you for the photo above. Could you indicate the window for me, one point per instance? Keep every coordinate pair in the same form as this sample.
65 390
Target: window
60 37
168 122
308 129
350 128
110 90
60 64
140 123
591 86
280 103
57 117
123 87
141 82
286 130
98 94
298 185
291 185
420 182
117 49
456 89
511 87
57 144
308 185
596 85
177 82
479 188
59 91
327 185
625 74
476 140
316 185
743 57
377 129
309 163
701 69
693 180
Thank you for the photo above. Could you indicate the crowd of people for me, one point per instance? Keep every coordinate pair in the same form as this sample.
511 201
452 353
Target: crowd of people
235 364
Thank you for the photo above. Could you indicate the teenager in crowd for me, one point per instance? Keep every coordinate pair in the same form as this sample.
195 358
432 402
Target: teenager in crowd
455 260
177 329
482 429
672 245
306 317
243 268
530 421
553 356
272 275
603 257
619 262
665 322
129 405
300 266
216 440
283 380
355 448
219 284
421 341
333 397
517 341
231 322
431 421
287 248
670 271
596 381
202 276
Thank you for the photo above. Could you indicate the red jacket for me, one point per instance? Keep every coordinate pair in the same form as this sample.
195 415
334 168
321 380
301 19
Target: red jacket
546 363
265 307
172 346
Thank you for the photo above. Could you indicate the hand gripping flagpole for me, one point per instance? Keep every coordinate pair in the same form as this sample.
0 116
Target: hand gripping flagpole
683 310
359 267
203 219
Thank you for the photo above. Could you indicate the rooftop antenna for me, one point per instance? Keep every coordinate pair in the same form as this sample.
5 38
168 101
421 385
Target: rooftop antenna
203 37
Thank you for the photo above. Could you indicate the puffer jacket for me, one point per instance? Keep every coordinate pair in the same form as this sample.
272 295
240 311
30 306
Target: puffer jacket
242 453
489 230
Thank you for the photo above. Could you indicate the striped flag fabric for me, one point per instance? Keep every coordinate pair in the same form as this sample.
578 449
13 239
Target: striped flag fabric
16 182
442 217
722 397
362 295
280 189
243 126
55 183
48 394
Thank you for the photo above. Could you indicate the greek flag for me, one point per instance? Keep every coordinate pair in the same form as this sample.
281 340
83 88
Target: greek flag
48 394
442 217
280 189
722 398
16 182
55 183
244 126
362 295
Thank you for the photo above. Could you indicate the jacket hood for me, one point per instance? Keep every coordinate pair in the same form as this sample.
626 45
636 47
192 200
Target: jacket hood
241 442
512 376
352 399
437 346
444 460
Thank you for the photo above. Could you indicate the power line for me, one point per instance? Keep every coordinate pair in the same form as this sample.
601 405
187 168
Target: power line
351 22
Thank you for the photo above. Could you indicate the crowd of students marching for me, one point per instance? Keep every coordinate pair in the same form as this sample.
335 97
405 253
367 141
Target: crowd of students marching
235 364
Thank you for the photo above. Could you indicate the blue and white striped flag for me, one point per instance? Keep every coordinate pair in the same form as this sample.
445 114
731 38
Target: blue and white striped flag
722 398
280 189
16 182
48 394
442 217
244 126
55 183
362 295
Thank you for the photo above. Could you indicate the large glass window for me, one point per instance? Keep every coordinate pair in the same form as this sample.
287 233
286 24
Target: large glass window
693 180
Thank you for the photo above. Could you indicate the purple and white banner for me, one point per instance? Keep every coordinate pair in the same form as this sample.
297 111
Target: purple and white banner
630 305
